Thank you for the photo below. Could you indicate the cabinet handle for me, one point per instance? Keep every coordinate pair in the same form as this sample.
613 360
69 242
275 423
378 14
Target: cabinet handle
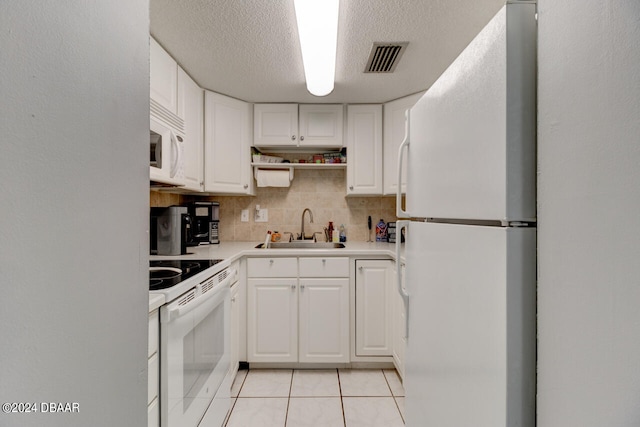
246 186
270 262
302 138
351 187
293 137
324 261
361 268
302 287
233 299
293 287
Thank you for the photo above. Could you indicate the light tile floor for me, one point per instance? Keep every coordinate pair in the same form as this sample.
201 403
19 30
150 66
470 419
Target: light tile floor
323 398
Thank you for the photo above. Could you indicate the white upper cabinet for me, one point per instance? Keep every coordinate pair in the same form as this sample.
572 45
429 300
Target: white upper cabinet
275 125
293 125
364 149
191 108
164 77
394 133
227 145
321 125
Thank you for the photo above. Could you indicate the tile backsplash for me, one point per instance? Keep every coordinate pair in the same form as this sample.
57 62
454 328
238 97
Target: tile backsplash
322 191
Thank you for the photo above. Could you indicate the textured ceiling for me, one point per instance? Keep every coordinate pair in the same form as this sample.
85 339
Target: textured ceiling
249 49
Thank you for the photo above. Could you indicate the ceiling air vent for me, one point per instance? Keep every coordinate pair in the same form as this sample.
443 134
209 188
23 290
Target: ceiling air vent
384 57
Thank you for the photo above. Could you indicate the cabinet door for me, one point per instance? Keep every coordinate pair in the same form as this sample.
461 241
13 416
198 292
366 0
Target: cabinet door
364 149
227 145
153 414
154 332
394 132
324 320
321 125
153 370
191 108
235 327
275 125
399 328
163 77
272 319
373 308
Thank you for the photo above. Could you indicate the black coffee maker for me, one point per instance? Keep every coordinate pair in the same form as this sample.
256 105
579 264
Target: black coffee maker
170 230
206 220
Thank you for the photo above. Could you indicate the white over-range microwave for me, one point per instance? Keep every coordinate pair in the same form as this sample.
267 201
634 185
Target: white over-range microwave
166 148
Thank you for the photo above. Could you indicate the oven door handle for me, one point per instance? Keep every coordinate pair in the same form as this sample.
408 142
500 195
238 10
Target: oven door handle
180 311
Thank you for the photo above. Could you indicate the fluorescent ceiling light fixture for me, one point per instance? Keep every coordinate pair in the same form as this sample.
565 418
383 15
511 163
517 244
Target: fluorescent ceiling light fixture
318 31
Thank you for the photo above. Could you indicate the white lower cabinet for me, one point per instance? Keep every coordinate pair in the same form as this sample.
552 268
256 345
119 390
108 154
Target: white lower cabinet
374 309
399 327
324 320
153 414
237 330
153 417
298 319
272 320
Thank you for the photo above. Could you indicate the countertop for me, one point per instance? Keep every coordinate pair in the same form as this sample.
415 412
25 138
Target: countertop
231 251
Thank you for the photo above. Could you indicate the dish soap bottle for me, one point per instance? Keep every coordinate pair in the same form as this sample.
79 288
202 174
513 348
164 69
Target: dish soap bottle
381 231
343 234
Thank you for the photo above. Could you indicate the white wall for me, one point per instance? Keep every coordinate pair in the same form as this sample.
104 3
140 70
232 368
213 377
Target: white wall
589 213
74 98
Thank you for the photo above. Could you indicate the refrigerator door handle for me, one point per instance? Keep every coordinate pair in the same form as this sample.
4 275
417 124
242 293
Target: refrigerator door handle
401 289
401 213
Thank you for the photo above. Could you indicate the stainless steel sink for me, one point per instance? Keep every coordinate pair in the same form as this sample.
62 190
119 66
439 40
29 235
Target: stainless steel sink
297 244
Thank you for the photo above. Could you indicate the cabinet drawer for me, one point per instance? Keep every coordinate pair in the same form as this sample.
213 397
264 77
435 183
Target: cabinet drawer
324 267
152 378
153 332
235 266
272 267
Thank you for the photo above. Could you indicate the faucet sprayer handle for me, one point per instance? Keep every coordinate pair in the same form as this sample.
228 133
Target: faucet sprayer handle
290 235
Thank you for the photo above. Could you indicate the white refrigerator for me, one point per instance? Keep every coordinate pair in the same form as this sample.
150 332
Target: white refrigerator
470 225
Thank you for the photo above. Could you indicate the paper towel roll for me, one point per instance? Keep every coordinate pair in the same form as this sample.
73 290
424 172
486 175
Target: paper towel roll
272 178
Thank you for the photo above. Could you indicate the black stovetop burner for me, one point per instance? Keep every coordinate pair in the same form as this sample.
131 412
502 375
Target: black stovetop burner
176 271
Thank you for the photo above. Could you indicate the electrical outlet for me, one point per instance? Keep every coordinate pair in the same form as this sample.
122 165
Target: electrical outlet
244 216
262 215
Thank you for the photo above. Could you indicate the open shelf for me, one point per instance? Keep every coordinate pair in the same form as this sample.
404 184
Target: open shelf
299 165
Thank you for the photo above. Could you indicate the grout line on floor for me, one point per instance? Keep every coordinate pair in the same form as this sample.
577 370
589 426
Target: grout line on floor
395 400
344 417
388 385
236 397
286 414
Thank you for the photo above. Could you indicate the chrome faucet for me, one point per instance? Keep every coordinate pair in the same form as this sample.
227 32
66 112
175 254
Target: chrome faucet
302 236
